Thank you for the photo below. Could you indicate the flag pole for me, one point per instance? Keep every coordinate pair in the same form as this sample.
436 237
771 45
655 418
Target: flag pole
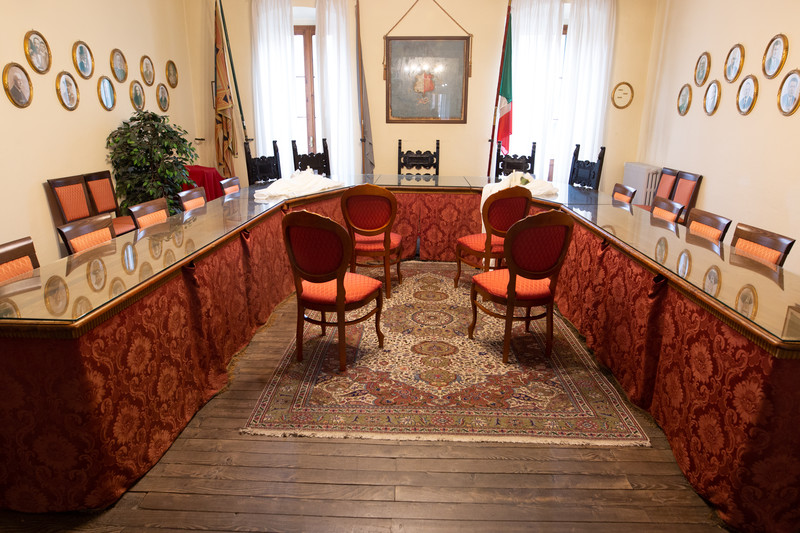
497 94
360 69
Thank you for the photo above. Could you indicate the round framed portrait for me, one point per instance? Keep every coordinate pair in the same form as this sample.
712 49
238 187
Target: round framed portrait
162 95
81 307
67 91
169 258
172 74
106 93
747 94
684 263
117 288
747 301
734 62
712 280
129 258
119 66
137 95
83 59
37 52
684 99
145 271
661 250
701 69
18 85
156 248
148 72
775 55
96 274
56 295
788 93
8 309
711 100
622 95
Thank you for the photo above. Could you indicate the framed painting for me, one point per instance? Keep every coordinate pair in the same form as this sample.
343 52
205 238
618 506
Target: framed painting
67 91
18 85
106 93
775 55
684 99
83 59
711 102
426 79
747 94
148 73
163 97
734 62
172 74
119 65
701 69
37 52
788 96
137 95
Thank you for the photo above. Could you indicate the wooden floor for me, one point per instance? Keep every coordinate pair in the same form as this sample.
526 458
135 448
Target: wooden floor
215 479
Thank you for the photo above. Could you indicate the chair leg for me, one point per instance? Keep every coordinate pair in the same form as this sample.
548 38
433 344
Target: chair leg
399 275
387 271
299 337
458 266
549 342
322 313
528 319
342 341
379 306
473 298
507 334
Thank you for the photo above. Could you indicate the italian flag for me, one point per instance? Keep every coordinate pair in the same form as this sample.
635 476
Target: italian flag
504 122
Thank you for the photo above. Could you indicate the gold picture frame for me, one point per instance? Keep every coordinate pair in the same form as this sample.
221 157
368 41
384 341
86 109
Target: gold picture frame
83 59
116 288
172 74
8 309
17 84
712 280
67 90
747 301
712 97
788 97
662 249
734 63
56 295
96 274
702 68
684 99
37 52
148 72
775 56
622 95
81 307
145 271
747 95
162 97
106 93
137 95
684 264
119 65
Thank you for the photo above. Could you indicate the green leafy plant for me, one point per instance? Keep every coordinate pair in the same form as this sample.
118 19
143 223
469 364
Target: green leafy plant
149 158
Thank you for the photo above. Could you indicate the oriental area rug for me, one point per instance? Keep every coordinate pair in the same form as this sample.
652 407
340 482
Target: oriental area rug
431 382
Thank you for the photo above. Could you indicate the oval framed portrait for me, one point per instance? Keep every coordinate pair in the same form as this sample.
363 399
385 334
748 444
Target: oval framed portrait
37 52
661 250
747 301
119 65
162 95
18 85
712 280
145 271
684 264
712 97
117 288
96 274
734 62
701 69
56 295
684 99
8 309
137 95
788 93
67 91
775 56
129 258
172 74
81 307
83 59
106 93
747 94
148 72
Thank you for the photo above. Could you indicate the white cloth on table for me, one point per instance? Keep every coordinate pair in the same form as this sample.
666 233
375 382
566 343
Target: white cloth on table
299 183
538 188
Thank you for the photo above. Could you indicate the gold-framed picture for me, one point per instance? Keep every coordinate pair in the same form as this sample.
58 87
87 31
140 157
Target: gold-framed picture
96 274
162 96
129 258
747 301
67 91
119 65
83 59
8 309
712 280
81 307
747 94
661 250
712 97
137 95
172 74
734 63
775 55
788 97
684 99
106 93
17 84
702 68
117 287
145 271
37 52
622 95
148 72
684 265
169 257
56 295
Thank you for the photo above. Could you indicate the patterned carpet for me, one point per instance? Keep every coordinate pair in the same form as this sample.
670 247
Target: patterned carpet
431 382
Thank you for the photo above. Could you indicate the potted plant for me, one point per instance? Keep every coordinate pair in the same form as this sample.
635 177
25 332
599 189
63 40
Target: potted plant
149 157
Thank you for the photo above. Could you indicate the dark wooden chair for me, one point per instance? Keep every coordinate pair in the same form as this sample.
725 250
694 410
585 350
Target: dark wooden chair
104 200
687 185
761 245
149 213
319 253
417 160
623 193
16 258
318 162
71 199
230 185
534 250
506 164
193 198
265 169
707 230
586 173
665 213
87 233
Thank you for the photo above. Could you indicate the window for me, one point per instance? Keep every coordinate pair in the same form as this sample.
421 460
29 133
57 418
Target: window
306 118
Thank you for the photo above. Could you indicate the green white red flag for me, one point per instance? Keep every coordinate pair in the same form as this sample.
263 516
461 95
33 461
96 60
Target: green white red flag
504 120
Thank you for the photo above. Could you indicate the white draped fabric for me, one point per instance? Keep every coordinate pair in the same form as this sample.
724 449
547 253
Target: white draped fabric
273 79
338 88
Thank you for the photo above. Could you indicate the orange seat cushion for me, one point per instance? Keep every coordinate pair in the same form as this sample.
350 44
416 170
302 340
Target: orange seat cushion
618 196
88 240
664 214
156 217
103 195
356 288
374 243
477 242
705 231
15 267
757 251
123 225
194 203
495 282
232 189
73 201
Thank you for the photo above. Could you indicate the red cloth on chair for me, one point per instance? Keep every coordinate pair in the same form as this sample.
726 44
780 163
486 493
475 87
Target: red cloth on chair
207 177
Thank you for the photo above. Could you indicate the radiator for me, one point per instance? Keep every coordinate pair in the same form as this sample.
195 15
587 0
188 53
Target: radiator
643 178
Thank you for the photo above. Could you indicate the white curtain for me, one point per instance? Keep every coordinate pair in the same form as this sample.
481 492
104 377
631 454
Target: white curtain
338 88
273 79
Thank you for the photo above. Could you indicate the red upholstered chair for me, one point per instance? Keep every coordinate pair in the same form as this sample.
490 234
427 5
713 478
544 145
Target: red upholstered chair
103 200
369 212
149 213
534 251
230 185
761 245
666 183
193 198
687 186
665 210
16 258
70 196
87 233
500 211
319 252
623 193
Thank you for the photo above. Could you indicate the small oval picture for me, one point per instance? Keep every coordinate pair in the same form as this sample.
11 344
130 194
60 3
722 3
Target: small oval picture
129 258
775 56
148 73
145 271
169 258
117 288
96 274
37 52
172 74
661 250
788 93
701 69
81 307
56 295
684 263
711 102
106 93
747 301
747 94
83 59
17 84
711 280
67 91
137 95
119 66
733 63
684 99
163 97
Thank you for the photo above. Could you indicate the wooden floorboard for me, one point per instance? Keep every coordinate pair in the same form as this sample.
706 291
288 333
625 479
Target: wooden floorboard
215 478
